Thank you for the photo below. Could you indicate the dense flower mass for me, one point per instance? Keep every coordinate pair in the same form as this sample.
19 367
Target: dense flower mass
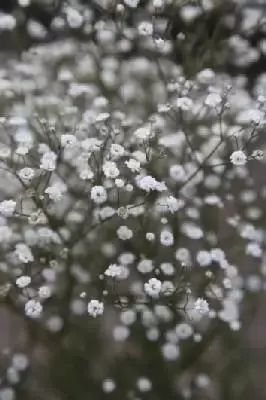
129 207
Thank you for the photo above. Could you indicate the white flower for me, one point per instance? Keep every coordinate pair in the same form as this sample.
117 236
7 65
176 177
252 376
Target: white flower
258 155
68 140
201 306
150 236
108 385
143 133
23 281
124 233
7 22
184 330
184 103
26 174
56 191
133 165
153 287
24 253
145 266
144 384
91 144
85 172
44 292
131 3
149 183
204 258
113 271
167 268
191 230
169 203
170 351
177 172
33 308
7 207
110 169
119 183
48 161
74 18
5 233
213 100
145 28
95 308
117 150
254 249
158 3
238 157
166 238
98 194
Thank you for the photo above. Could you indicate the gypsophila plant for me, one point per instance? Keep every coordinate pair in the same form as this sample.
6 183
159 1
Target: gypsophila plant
132 230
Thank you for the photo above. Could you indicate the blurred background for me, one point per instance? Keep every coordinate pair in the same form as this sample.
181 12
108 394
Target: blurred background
230 27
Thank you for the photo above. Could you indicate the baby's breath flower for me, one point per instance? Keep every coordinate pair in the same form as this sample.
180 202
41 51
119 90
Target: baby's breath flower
153 287
33 308
98 194
7 207
238 157
114 271
23 281
201 306
95 308
145 28
124 233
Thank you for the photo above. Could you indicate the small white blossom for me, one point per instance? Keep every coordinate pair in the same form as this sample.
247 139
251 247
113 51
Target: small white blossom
184 103
110 169
23 281
145 266
68 140
166 238
7 207
117 150
44 292
201 306
33 308
133 165
145 28
48 161
144 384
113 271
98 194
95 308
24 253
153 287
26 174
149 183
56 191
238 157
124 233
213 100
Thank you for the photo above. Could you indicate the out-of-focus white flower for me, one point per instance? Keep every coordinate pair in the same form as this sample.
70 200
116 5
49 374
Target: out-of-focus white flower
113 271
24 253
213 100
124 233
153 287
33 308
7 207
